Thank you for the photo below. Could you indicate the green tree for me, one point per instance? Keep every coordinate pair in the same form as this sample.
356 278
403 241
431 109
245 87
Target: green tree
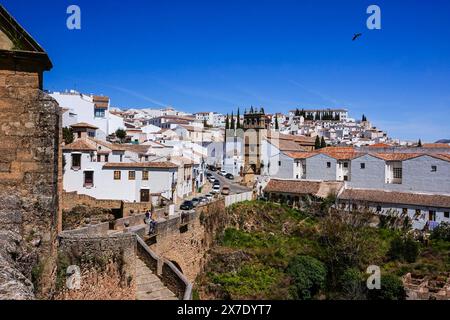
317 143
67 135
297 112
227 122
238 120
308 275
323 144
233 123
121 134
419 144
277 126
262 110
391 289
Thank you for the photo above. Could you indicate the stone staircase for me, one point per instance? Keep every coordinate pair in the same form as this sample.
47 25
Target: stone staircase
149 286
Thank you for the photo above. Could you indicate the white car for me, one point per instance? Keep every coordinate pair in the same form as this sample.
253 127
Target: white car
216 188
222 172
211 179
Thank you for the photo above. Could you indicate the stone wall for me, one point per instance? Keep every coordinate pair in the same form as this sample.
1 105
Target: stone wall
73 199
95 254
186 240
29 148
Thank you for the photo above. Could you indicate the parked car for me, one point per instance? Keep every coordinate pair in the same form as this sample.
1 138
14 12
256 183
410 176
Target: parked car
187 205
211 179
222 172
216 188
229 176
209 196
203 200
195 201
208 174
213 168
226 190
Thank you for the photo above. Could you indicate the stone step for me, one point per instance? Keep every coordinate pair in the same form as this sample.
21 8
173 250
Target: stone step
162 294
149 286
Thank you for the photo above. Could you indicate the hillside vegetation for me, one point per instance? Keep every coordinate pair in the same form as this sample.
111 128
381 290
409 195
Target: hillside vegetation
270 251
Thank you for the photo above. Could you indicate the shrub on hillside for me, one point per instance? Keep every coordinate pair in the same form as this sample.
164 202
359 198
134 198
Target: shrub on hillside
391 289
403 248
352 285
441 232
308 275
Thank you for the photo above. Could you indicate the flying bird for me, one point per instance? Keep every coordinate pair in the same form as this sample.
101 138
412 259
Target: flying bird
356 36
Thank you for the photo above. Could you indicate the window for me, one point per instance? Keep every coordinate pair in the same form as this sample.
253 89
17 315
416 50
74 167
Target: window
88 179
144 175
76 161
131 175
279 163
99 158
433 168
328 164
363 165
345 178
447 214
99 113
117 175
432 215
91 134
345 164
397 173
378 208
106 158
296 177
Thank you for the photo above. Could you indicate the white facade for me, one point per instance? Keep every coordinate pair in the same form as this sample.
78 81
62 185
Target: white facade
81 108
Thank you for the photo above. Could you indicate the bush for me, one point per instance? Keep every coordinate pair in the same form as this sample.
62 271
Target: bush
352 284
441 232
406 249
391 289
308 275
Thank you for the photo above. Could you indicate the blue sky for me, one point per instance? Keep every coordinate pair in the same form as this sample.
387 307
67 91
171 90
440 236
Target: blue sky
220 55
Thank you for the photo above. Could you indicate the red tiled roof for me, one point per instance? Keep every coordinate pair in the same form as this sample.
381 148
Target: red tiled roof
296 187
143 165
84 125
436 145
300 155
397 156
381 196
80 145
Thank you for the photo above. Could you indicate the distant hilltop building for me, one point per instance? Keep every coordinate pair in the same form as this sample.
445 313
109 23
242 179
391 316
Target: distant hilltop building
320 114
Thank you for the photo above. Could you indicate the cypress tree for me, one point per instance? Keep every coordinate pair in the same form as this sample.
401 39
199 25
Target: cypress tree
317 143
276 123
232 122
227 122
238 123
323 144
419 144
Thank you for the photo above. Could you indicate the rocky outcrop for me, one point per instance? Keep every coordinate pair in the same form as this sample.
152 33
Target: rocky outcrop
13 284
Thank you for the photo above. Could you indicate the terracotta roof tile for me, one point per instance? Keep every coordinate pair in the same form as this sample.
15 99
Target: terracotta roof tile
300 155
84 125
80 145
143 165
381 196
